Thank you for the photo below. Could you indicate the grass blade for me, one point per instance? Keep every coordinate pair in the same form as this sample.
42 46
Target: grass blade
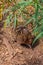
15 21
37 37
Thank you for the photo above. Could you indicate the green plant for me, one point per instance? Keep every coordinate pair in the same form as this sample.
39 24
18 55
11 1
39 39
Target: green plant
38 29
17 7
36 18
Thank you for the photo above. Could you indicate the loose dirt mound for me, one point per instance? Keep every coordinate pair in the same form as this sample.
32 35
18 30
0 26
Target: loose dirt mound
12 53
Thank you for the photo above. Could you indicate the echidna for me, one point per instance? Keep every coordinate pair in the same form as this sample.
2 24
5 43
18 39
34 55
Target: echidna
24 36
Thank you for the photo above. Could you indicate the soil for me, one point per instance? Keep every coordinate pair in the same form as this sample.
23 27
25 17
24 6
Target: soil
13 53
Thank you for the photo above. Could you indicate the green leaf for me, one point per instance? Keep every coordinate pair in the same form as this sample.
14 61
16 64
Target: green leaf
9 17
8 21
36 13
21 4
32 18
37 37
37 29
15 21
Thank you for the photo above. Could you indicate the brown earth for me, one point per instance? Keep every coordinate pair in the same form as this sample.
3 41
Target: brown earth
12 53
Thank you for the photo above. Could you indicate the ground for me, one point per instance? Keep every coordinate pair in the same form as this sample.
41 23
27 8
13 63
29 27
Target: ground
15 54
12 53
